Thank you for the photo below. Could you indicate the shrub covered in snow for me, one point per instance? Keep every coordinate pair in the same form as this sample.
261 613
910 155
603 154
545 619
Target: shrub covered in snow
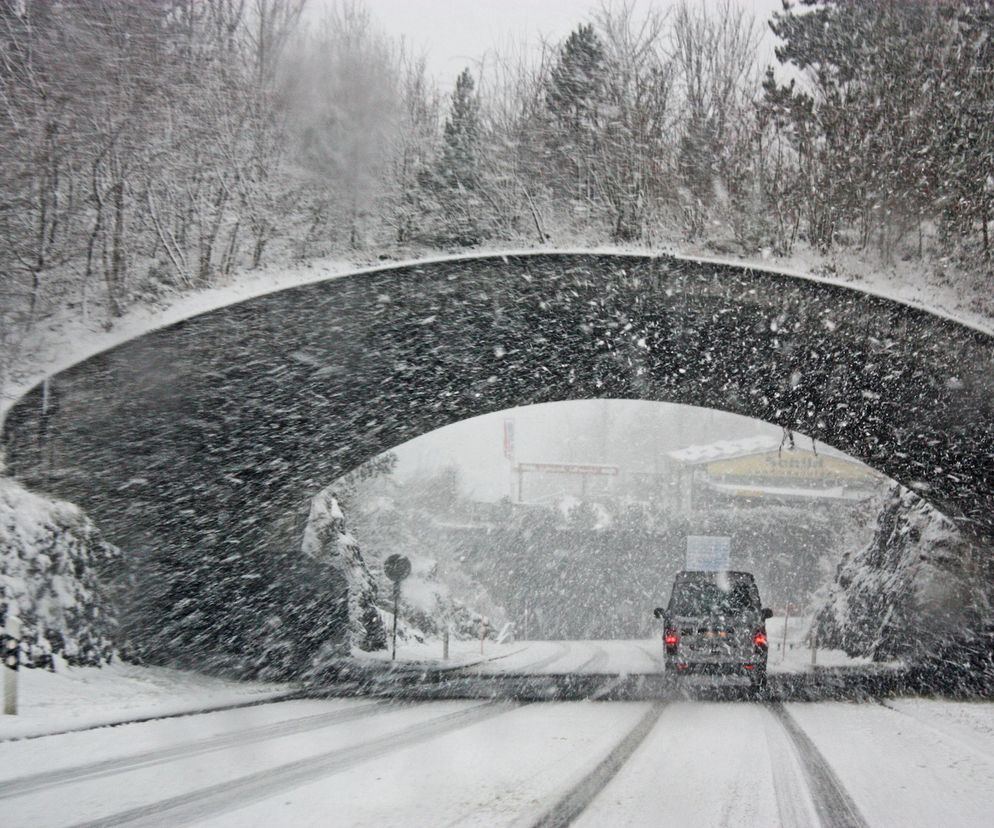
54 574
914 584
327 539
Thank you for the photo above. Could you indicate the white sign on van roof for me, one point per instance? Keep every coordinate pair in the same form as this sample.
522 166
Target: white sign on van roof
710 553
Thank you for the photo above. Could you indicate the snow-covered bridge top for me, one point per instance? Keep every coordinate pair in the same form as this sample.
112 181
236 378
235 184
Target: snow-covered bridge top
63 344
206 431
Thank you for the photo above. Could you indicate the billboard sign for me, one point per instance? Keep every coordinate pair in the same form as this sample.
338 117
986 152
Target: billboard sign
789 466
569 468
710 553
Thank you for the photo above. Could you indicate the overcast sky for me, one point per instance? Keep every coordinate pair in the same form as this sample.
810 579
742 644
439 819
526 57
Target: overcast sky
458 33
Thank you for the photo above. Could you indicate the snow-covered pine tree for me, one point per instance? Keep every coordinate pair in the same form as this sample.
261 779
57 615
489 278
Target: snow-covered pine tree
574 97
461 215
460 164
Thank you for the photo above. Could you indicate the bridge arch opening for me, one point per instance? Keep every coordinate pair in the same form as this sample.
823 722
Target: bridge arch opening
569 520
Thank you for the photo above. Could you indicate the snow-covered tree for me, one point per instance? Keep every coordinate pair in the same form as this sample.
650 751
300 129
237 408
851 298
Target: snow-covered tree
460 214
715 54
574 97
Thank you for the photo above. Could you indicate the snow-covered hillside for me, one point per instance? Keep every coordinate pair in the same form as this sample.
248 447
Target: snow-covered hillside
916 582
54 571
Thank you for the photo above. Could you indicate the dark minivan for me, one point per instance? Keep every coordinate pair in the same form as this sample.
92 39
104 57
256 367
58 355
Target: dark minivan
715 623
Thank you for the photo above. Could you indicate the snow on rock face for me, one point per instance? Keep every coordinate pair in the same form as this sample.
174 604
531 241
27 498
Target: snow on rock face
53 570
326 538
914 584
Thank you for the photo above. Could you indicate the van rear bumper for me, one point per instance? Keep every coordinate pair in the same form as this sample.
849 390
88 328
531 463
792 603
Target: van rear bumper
722 668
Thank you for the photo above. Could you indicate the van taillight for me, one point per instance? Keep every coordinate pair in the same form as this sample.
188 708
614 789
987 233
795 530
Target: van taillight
759 639
670 638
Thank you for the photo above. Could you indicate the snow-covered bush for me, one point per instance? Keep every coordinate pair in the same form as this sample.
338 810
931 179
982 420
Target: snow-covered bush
326 538
54 574
913 585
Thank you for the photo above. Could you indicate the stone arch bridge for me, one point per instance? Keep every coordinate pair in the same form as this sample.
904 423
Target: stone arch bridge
202 433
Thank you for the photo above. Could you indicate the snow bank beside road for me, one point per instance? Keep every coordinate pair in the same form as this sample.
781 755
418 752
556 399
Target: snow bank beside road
75 698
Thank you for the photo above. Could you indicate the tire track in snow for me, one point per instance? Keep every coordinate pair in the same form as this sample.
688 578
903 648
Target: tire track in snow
577 798
562 650
833 804
655 657
945 735
795 806
195 806
595 663
48 779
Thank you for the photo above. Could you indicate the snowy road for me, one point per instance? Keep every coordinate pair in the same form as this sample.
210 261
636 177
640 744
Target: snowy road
367 762
582 657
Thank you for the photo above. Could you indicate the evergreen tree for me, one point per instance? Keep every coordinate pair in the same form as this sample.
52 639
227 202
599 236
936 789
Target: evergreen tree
784 130
895 132
574 97
461 137
458 206
576 82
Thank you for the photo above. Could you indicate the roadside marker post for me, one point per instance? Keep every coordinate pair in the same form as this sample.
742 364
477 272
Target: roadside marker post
396 610
396 568
783 646
11 660
484 629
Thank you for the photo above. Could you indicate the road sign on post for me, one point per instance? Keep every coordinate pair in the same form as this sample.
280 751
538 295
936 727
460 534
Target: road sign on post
11 653
396 568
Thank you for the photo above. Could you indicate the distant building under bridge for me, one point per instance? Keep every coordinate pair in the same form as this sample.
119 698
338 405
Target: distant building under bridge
762 471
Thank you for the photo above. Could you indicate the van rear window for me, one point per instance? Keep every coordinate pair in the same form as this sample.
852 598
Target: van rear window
706 597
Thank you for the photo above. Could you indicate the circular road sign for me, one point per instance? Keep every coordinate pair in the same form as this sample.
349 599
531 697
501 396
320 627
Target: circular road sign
397 567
